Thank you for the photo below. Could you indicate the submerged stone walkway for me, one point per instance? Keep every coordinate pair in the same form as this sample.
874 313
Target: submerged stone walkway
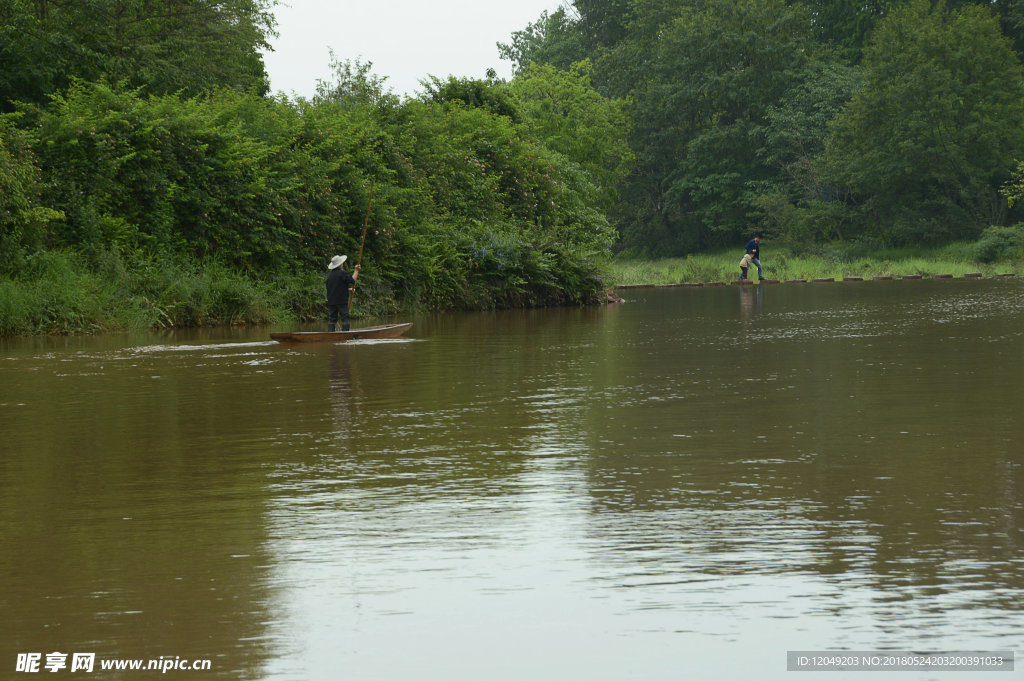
822 280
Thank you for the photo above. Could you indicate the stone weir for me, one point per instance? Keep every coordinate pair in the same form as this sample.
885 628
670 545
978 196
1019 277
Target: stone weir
821 280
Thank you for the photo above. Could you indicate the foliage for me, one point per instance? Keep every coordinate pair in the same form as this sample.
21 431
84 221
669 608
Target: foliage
353 85
189 46
733 105
60 291
1000 243
23 221
463 206
799 204
700 109
521 218
50 295
140 146
936 126
846 25
199 176
552 40
603 23
563 109
473 93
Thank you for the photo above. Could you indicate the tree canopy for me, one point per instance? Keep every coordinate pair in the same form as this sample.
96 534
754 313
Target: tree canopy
191 46
654 126
889 119
935 129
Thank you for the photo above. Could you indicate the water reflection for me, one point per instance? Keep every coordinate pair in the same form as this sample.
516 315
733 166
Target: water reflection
340 391
681 485
126 531
751 302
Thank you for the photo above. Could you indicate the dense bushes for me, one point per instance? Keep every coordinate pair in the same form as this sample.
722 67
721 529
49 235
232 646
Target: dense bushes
23 220
240 193
811 120
1000 243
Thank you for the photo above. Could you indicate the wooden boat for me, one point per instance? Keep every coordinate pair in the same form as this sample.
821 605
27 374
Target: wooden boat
382 331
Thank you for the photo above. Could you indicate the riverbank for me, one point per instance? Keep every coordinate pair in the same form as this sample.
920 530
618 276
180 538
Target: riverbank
62 292
66 292
781 264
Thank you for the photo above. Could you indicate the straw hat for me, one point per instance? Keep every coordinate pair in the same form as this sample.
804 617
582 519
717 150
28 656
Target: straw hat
337 261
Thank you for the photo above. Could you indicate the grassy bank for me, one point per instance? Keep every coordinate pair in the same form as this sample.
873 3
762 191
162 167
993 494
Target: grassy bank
65 292
62 292
58 294
781 262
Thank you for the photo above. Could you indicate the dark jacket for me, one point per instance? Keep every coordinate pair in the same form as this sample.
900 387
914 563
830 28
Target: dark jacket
753 248
338 282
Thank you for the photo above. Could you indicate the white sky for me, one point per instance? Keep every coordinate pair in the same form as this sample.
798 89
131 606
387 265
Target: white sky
407 40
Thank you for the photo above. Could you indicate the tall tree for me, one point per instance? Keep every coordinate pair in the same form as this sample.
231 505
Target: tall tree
846 24
1011 18
603 22
564 110
555 39
927 141
161 45
700 111
799 203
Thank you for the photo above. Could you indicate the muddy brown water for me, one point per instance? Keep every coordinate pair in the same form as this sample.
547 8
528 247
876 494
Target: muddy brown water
686 485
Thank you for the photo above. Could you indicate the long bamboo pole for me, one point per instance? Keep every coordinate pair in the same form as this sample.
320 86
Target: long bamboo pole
359 262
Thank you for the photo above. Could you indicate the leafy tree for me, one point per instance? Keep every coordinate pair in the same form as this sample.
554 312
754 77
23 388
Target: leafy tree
190 46
934 131
23 220
162 173
564 110
29 62
555 39
468 207
353 84
800 204
846 24
1011 18
700 111
472 92
603 23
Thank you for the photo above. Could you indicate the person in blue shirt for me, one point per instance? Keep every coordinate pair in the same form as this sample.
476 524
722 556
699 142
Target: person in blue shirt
754 251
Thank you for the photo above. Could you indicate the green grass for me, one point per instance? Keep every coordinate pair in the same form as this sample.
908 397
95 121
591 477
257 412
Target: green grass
782 264
58 293
64 292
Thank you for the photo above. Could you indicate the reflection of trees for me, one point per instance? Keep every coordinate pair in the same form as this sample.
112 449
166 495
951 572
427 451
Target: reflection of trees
135 487
462 412
936 532
340 390
851 463
131 502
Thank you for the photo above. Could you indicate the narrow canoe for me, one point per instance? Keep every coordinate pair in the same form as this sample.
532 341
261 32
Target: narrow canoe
383 331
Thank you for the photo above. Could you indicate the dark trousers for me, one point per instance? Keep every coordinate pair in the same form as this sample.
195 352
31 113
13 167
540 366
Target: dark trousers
334 312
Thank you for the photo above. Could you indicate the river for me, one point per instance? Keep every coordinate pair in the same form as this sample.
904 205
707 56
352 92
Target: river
687 485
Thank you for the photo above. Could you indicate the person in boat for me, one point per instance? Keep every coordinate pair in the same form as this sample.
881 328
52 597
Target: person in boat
754 251
339 283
